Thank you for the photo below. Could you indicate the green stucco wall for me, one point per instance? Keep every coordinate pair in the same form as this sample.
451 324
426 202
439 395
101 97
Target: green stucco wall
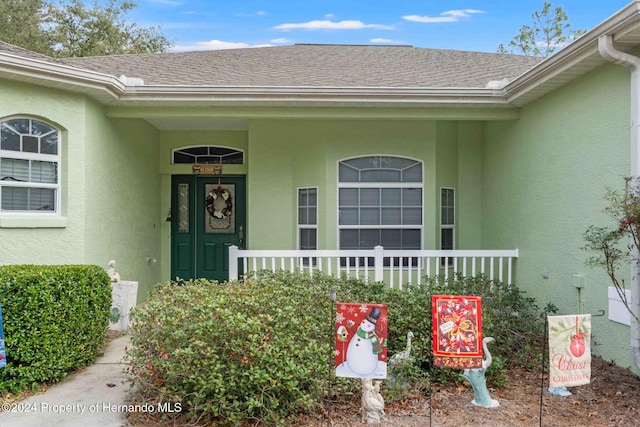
543 181
458 166
469 188
29 239
110 190
287 155
284 155
117 180
123 212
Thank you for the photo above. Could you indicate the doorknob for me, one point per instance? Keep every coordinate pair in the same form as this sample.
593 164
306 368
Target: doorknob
241 235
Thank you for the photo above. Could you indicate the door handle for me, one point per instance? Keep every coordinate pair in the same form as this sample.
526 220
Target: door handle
241 235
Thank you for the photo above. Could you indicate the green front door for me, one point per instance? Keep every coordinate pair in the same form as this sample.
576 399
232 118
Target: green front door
208 216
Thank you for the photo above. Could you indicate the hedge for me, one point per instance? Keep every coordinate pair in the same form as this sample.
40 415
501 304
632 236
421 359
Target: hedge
261 352
55 320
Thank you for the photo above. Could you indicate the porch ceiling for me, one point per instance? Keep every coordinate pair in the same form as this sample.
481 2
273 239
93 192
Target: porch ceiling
238 118
197 123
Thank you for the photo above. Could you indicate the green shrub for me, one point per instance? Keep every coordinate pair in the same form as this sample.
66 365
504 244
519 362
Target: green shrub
262 351
233 352
55 320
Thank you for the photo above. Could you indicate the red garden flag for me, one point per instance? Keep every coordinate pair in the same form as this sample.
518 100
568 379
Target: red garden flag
361 333
569 350
457 331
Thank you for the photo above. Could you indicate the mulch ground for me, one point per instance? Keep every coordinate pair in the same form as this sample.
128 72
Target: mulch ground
611 399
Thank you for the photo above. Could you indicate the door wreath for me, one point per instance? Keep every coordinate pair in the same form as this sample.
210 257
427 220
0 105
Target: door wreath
220 211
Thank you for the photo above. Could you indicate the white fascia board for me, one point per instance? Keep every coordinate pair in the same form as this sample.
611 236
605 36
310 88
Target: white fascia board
312 95
584 49
48 74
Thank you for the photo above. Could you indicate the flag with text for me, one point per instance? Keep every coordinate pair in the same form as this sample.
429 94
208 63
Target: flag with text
569 350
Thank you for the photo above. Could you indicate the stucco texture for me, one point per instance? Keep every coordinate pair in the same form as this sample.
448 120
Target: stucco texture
544 178
110 190
38 239
287 155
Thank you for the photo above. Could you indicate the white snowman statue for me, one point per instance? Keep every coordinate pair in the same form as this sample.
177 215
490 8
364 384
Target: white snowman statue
364 347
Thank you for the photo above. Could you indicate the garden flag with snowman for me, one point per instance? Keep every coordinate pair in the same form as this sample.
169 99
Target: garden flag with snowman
569 350
361 334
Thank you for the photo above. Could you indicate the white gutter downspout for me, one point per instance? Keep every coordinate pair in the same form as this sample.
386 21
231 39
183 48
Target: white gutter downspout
611 54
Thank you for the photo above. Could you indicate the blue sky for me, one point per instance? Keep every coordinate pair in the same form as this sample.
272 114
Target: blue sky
477 25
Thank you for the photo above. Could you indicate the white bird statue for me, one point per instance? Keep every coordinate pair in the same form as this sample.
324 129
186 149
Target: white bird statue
111 271
476 378
403 356
377 395
487 361
373 409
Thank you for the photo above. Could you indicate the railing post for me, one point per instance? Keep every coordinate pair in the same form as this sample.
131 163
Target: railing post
378 263
233 262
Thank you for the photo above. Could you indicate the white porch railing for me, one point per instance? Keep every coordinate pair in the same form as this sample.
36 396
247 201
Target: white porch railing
394 267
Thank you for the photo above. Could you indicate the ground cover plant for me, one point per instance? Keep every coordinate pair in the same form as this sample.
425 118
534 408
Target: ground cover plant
261 351
55 320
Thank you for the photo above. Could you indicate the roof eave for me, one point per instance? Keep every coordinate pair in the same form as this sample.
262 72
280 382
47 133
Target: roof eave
109 90
576 59
103 87
286 96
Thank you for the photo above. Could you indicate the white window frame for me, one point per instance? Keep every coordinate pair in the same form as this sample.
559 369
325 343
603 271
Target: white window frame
381 185
446 226
222 157
29 156
306 226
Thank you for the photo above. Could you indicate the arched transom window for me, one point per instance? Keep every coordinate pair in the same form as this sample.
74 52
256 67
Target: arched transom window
380 203
208 155
29 166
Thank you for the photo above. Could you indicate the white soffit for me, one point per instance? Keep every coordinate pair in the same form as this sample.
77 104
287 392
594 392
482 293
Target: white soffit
198 123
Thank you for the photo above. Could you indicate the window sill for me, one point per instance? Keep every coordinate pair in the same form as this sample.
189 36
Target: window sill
31 221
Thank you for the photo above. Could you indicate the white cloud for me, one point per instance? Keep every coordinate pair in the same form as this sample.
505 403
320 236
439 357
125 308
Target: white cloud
261 13
384 41
280 41
215 45
448 16
329 25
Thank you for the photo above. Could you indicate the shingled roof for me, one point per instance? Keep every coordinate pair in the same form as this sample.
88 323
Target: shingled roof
315 66
25 53
325 75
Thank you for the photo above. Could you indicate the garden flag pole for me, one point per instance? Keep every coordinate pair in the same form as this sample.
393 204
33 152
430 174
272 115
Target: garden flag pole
3 353
569 350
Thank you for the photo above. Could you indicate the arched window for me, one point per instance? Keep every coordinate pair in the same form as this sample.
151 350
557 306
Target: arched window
208 155
380 203
29 166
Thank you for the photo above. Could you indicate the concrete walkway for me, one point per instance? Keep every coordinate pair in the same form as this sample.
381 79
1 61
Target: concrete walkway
92 397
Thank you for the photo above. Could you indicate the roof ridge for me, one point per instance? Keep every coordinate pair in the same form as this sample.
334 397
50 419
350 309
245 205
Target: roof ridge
353 44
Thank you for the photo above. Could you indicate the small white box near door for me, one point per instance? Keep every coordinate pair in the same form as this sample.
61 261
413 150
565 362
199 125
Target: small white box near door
124 295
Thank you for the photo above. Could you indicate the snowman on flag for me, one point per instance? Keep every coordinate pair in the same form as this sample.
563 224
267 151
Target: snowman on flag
363 326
